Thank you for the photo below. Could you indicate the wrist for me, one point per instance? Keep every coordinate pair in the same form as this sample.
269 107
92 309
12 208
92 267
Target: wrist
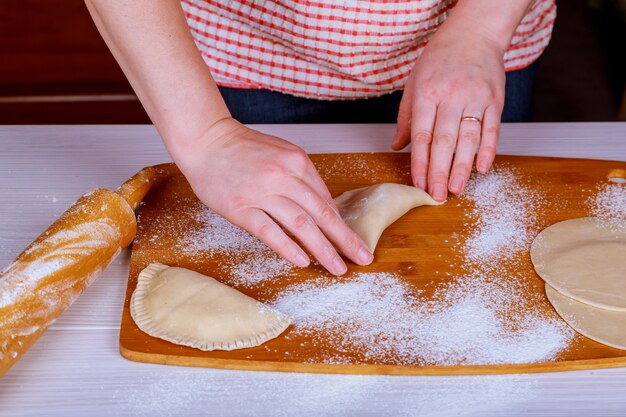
490 22
467 47
189 150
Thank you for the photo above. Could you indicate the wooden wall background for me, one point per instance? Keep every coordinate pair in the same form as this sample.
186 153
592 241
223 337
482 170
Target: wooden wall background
55 67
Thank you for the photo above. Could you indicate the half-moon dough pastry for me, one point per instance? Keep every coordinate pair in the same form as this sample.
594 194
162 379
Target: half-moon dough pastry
605 326
584 259
370 210
191 309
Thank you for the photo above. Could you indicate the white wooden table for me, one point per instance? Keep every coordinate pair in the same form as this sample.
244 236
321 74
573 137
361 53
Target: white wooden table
75 368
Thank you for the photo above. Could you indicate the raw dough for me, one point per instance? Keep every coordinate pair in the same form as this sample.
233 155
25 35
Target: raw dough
370 210
604 326
584 259
191 309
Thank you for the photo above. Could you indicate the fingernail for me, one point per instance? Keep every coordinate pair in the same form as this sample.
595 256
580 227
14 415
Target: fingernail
456 184
365 256
339 267
302 260
439 192
483 166
421 182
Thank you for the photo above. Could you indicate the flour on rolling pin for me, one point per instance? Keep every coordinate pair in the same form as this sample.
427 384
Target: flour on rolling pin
86 239
52 271
49 275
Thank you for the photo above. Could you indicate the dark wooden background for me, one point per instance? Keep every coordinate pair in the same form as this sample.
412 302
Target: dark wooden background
55 67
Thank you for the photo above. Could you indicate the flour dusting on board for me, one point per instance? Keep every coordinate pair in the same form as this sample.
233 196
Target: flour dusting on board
481 313
248 261
355 167
481 317
502 222
609 203
378 317
217 234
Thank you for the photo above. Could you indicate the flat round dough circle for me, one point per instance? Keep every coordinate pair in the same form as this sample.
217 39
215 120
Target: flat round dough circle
584 259
605 326
191 309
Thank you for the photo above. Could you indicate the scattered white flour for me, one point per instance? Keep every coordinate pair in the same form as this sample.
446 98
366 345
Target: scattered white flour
486 315
259 266
609 202
502 221
355 167
217 234
247 260
381 318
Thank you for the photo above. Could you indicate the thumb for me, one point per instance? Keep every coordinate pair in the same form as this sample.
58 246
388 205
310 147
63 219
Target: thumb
403 131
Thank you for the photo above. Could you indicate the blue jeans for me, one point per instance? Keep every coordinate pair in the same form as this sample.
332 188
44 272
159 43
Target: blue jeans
265 106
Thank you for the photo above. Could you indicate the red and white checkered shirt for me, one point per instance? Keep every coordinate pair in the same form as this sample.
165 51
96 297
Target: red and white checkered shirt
334 49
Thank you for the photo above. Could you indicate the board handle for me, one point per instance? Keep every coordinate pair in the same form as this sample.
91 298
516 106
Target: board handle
50 274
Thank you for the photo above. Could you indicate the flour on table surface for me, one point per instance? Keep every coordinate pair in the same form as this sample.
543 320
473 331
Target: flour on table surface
188 391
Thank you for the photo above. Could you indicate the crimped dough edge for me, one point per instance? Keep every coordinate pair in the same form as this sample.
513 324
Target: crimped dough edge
145 323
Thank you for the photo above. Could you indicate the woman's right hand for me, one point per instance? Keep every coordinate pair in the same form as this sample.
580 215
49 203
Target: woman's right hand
254 180
259 182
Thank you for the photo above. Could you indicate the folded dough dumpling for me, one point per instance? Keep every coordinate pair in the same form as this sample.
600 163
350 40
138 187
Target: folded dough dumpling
191 309
370 210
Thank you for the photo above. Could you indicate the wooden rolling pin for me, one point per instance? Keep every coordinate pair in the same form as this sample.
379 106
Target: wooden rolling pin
48 276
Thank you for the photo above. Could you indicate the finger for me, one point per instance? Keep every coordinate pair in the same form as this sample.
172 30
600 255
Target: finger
326 216
489 138
302 168
295 219
442 149
422 122
403 131
467 144
313 179
265 229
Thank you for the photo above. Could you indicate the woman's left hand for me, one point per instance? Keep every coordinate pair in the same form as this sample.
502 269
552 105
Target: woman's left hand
456 77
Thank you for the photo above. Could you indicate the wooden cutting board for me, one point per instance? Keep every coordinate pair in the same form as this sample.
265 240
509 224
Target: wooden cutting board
423 236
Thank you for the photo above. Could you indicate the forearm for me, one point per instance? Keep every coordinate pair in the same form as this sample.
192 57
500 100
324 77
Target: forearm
152 43
494 21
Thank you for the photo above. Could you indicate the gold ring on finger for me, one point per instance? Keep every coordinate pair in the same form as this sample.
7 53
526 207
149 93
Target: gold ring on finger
471 118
